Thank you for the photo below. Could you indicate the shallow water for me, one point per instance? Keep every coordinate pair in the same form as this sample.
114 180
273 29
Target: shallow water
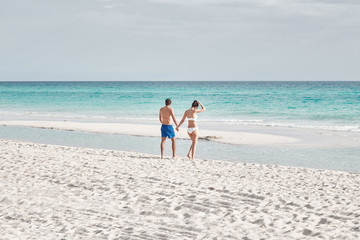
345 159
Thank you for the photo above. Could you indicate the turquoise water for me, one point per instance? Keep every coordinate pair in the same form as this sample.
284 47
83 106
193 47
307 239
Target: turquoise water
319 105
300 105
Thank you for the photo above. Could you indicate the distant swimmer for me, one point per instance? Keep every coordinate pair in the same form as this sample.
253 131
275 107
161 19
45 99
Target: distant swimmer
167 130
192 130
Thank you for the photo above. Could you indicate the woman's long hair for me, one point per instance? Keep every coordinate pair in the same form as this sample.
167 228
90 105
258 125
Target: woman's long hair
195 104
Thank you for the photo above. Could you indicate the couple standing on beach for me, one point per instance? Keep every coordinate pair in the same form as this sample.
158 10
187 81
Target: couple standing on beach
167 130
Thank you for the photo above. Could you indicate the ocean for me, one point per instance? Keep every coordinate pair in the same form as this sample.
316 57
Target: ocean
302 106
314 105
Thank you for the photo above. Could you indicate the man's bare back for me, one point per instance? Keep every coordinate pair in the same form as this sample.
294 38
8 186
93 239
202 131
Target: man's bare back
166 114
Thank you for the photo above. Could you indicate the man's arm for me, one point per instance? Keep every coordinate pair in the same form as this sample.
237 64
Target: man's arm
160 116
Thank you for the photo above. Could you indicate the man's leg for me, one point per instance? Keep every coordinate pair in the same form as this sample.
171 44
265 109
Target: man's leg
163 139
173 140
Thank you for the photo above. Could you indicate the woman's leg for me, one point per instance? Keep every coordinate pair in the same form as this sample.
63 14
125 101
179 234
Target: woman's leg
190 145
194 139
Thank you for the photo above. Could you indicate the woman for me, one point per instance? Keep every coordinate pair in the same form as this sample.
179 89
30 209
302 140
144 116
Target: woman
192 127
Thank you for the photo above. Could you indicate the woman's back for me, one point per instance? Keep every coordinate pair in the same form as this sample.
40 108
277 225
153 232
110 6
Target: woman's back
191 116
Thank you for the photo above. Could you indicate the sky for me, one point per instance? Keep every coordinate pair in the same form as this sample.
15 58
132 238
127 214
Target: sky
175 40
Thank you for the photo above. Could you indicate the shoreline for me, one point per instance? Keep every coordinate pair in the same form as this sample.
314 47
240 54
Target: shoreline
278 137
230 134
54 191
150 130
316 150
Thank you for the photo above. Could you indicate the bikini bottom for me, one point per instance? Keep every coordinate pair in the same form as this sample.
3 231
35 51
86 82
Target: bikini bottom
191 130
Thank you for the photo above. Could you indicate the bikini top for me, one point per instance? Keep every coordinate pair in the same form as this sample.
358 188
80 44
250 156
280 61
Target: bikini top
192 119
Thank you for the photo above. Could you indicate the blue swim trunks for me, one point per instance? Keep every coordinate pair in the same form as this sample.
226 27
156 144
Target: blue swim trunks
167 131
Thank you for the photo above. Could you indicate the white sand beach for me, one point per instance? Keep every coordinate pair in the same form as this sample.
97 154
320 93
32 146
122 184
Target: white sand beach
57 192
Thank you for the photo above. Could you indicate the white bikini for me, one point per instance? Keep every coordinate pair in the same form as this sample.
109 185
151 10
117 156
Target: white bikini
190 130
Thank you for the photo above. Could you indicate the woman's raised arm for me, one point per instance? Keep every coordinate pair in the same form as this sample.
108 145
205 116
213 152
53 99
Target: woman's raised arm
202 108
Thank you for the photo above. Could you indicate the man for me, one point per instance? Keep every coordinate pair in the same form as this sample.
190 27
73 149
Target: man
167 130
